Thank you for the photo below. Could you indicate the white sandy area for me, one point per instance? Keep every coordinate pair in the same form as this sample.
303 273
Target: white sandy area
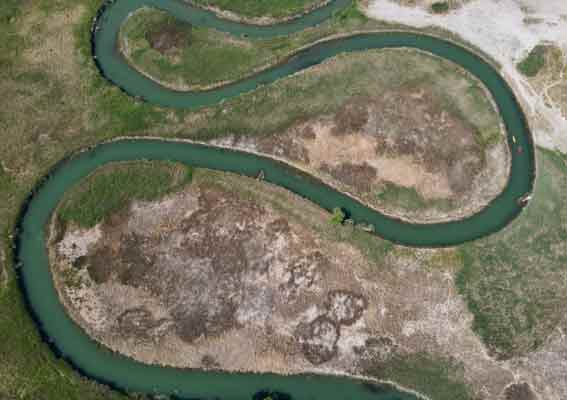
498 28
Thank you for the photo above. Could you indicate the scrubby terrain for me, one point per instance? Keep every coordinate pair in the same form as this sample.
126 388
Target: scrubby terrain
234 274
546 70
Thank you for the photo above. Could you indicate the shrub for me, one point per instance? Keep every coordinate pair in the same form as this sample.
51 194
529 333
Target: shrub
338 217
534 62
440 7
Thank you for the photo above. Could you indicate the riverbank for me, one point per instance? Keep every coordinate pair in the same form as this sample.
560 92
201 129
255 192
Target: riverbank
255 16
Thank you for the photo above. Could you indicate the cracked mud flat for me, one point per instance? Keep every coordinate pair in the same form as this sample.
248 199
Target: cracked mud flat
373 146
237 275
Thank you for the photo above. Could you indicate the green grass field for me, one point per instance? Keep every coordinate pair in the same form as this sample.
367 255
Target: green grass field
113 187
514 280
209 56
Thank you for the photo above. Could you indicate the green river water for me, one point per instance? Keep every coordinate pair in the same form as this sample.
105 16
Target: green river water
96 362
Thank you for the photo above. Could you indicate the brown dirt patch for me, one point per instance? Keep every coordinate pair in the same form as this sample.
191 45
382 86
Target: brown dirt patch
168 38
361 176
352 117
286 147
137 322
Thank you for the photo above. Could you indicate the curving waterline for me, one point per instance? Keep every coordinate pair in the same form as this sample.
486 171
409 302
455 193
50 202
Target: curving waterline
130 375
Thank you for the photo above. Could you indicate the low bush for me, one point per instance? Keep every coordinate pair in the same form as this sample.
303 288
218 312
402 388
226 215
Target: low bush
440 7
534 62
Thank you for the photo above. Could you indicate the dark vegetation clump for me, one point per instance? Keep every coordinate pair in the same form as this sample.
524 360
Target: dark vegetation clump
319 340
169 36
534 62
440 7
519 391
209 362
338 217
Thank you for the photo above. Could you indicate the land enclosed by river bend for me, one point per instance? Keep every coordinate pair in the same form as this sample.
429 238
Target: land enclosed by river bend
483 322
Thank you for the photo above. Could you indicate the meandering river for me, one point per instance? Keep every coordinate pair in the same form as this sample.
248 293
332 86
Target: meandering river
97 362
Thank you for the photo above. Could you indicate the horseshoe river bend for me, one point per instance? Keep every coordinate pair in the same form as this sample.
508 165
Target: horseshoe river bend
126 374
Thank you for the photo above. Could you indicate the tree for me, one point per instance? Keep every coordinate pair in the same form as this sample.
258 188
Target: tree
338 217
